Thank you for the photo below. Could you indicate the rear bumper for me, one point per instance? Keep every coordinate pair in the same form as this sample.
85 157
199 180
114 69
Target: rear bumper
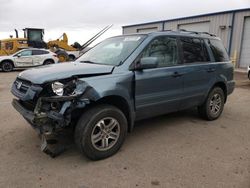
230 87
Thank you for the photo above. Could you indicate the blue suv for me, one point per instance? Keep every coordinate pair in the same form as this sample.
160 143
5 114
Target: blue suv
121 80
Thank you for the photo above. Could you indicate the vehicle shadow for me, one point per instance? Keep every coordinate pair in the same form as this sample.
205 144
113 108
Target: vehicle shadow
143 128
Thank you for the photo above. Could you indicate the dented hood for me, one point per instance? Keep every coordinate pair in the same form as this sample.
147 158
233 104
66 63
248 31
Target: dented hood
59 71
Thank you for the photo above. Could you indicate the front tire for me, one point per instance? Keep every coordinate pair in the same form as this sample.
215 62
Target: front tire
101 131
212 108
7 66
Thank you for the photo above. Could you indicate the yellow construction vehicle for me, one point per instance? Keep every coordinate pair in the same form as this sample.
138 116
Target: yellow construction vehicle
12 45
61 42
33 37
63 49
60 46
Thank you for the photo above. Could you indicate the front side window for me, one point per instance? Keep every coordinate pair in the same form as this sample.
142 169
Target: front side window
219 51
165 49
194 50
35 35
113 51
25 53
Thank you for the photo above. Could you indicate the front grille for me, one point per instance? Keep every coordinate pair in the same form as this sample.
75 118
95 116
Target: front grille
22 85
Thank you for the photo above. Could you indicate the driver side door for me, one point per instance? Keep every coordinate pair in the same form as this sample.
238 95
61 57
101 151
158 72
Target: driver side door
24 59
159 90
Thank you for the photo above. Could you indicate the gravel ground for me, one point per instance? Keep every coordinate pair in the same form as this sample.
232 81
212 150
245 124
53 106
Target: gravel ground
175 150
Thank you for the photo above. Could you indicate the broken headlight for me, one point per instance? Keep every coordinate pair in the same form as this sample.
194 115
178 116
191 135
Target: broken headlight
58 88
68 88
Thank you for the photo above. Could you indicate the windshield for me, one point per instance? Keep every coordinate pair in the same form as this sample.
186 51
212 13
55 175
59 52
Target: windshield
112 51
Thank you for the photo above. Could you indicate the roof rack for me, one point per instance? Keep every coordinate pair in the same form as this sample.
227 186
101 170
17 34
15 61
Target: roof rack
196 32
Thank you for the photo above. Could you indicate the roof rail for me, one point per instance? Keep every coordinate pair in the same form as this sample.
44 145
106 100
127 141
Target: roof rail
167 30
213 35
196 32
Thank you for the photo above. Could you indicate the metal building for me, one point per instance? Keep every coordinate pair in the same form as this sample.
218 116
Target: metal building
233 27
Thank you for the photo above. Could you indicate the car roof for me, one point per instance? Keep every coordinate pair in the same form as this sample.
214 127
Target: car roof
185 33
182 33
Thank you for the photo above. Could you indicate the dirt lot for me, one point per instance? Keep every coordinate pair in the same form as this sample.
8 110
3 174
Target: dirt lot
176 150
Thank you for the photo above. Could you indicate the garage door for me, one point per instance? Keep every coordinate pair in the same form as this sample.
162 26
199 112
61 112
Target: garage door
200 26
147 30
245 49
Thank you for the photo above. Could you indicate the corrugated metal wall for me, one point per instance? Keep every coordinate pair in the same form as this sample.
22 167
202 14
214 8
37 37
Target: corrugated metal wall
129 30
215 22
238 34
220 24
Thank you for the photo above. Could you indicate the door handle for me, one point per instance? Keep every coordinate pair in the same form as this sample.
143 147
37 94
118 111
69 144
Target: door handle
210 69
176 74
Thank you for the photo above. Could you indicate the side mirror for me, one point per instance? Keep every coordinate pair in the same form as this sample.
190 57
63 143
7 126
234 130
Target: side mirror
18 55
147 63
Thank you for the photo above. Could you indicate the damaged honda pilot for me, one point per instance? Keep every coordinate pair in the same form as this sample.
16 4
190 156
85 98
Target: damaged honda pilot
121 80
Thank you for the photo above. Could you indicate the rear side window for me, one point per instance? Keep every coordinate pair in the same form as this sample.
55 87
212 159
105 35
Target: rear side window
194 50
39 52
218 50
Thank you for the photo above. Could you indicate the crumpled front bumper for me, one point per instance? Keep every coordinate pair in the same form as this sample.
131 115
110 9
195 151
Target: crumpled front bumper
27 114
48 121
50 113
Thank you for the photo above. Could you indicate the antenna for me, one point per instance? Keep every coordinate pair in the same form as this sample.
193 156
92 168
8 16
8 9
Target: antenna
86 44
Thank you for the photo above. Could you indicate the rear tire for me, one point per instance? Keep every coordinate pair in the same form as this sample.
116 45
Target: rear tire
7 66
101 131
212 108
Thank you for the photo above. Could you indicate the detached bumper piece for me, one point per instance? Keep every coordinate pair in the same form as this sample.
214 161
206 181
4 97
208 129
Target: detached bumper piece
50 146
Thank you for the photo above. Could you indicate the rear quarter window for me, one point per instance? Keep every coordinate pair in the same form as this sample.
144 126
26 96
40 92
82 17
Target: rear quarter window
218 50
39 52
194 50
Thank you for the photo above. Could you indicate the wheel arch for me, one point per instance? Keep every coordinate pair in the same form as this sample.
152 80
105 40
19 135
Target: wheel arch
9 60
223 86
49 59
122 104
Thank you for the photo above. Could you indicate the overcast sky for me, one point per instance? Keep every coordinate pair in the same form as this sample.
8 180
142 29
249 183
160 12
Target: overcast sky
81 19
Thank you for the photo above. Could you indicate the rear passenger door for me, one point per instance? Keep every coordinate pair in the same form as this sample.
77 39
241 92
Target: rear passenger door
158 90
38 56
199 71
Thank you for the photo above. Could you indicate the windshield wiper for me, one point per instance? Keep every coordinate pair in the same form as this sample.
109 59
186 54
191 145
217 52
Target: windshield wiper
90 62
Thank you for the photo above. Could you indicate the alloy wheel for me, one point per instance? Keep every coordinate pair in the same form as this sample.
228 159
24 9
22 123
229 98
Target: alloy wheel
105 134
215 104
